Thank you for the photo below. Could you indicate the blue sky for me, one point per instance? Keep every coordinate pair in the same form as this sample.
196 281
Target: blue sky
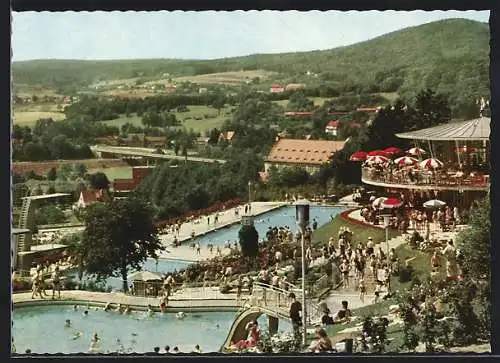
203 35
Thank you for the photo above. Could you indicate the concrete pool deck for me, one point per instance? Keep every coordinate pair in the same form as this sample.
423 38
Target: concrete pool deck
226 219
191 299
200 227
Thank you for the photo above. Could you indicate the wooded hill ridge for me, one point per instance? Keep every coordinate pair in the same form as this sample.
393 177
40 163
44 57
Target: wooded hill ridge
450 56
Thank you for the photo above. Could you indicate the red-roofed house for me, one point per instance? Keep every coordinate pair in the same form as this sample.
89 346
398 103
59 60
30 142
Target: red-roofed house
90 196
331 127
276 88
310 154
154 141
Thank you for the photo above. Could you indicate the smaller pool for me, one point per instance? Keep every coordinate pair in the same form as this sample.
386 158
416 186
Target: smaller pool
42 330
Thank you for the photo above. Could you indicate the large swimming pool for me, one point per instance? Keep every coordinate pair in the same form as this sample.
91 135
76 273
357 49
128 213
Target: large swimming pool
284 216
42 329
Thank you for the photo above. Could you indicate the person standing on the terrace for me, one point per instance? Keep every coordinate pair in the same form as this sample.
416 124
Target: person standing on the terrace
451 260
369 247
295 314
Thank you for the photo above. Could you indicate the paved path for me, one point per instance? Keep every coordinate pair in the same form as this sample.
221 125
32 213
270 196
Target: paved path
200 227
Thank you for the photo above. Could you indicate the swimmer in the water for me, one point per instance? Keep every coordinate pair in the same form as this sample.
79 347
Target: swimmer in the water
75 307
128 310
217 326
67 324
94 343
86 313
76 335
107 307
150 311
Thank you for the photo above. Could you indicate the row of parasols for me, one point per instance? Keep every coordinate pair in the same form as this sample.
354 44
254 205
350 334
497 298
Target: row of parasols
390 203
384 157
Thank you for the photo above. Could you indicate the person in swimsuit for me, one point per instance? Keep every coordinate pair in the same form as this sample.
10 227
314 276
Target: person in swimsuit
323 344
56 283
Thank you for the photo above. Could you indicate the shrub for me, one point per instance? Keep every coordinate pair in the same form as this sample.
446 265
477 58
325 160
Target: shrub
415 240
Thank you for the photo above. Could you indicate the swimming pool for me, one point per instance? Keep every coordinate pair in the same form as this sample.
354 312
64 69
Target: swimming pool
284 216
41 329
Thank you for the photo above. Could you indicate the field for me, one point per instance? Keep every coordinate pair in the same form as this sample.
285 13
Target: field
119 122
29 118
44 166
120 172
227 77
318 101
186 118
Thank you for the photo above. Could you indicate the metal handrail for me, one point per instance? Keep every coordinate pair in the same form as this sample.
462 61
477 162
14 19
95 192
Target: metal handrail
424 179
312 309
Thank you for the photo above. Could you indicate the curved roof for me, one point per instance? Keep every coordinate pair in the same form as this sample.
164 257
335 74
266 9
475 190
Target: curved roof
477 129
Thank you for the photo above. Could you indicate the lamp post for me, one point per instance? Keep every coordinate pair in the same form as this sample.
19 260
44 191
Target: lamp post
387 218
249 194
302 219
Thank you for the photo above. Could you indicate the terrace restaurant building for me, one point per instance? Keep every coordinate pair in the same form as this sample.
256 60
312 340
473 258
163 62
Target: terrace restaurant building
449 161
308 154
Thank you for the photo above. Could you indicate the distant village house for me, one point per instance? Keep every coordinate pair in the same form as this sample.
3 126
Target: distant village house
89 197
277 88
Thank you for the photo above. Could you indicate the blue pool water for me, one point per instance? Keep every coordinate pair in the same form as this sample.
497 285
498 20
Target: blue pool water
284 216
42 330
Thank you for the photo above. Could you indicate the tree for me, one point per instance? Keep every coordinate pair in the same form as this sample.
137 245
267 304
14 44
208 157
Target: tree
52 174
430 109
98 180
65 171
119 236
474 242
249 241
80 170
49 214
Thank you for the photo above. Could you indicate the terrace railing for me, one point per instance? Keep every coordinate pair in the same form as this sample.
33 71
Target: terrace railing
440 178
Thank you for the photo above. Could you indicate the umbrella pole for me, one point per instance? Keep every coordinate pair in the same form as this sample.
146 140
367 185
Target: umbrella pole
458 154
430 148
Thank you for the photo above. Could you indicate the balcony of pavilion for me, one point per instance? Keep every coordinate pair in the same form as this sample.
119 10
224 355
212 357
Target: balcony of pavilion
464 149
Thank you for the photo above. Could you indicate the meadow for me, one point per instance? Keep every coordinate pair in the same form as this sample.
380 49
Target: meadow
187 119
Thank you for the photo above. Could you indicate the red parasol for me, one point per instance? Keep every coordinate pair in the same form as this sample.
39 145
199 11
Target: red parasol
378 153
358 156
405 160
393 150
377 159
391 203
431 163
415 151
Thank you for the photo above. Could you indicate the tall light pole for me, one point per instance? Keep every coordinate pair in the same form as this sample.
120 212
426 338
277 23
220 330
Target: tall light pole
249 193
302 219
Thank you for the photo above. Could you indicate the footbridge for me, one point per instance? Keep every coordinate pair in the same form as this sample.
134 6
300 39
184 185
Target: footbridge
273 302
103 150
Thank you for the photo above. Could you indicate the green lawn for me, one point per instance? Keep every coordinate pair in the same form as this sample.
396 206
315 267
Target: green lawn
122 120
361 232
187 119
120 172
